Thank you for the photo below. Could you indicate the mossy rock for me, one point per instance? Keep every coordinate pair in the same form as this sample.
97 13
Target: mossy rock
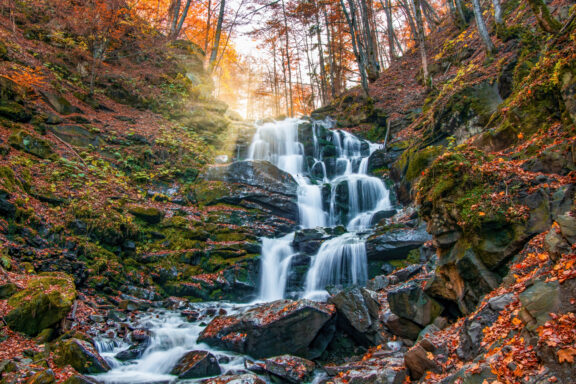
8 179
7 290
59 103
15 112
43 304
31 144
149 215
3 51
80 355
42 377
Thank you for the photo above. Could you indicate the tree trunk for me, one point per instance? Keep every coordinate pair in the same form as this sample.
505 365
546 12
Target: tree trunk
422 42
288 64
175 8
216 45
331 59
371 62
182 18
497 13
408 12
389 28
545 20
323 87
461 12
351 20
208 25
481 25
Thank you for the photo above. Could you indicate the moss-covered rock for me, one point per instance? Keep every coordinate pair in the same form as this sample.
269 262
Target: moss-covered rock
31 144
150 215
14 111
43 304
59 103
81 355
42 377
7 290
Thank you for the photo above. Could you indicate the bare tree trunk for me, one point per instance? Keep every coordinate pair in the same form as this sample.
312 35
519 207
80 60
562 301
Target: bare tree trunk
371 62
481 25
461 12
430 13
351 19
422 41
216 44
331 59
545 20
408 12
175 8
288 64
208 25
323 87
497 13
389 28
182 18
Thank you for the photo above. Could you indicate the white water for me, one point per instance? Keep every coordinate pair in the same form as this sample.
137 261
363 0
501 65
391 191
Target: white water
340 261
171 337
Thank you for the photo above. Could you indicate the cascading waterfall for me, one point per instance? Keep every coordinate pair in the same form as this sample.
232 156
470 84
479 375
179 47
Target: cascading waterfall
354 199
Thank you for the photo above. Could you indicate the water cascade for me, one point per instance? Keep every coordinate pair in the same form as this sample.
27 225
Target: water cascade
338 162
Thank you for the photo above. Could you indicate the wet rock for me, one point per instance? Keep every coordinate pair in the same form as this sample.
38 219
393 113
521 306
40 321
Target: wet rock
81 355
290 368
117 316
142 338
418 362
256 367
405 274
395 244
35 310
196 364
378 283
308 241
471 335
303 328
381 215
358 314
410 302
235 379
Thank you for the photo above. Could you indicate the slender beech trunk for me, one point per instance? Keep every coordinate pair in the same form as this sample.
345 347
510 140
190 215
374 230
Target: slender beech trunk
421 41
323 87
371 61
351 19
182 18
389 28
498 13
288 64
216 44
208 25
175 8
408 9
331 59
461 12
481 25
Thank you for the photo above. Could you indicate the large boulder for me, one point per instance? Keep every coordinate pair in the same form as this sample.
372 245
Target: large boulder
250 184
80 355
358 314
43 304
196 364
410 302
290 368
31 144
395 244
303 328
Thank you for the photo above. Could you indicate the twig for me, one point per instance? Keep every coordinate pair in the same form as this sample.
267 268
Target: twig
387 132
69 147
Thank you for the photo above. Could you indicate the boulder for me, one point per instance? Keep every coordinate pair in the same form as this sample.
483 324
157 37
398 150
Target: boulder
196 364
400 326
471 333
77 135
42 377
567 225
419 362
358 314
59 103
14 111
543 298
31 144
235 379
303 328
290 368
81 379
81 355
410 302
7 290
43 304
395 244
150 215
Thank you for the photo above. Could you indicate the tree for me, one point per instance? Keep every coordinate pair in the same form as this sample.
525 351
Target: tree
545 20
178 19
216 44
421 41
360 58
481 25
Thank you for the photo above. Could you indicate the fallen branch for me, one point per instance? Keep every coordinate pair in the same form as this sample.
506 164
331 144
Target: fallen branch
69 147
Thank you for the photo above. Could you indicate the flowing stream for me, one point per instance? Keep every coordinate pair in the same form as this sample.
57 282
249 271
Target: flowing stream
334 190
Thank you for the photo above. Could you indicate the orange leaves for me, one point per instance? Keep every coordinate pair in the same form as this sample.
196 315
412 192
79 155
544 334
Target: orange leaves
566 355
27 77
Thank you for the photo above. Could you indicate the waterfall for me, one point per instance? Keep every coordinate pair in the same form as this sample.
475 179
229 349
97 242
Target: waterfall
354 198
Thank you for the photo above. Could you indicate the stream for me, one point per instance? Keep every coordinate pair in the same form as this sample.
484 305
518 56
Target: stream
324 182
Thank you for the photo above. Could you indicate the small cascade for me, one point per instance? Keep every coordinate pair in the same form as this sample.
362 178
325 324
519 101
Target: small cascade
338 164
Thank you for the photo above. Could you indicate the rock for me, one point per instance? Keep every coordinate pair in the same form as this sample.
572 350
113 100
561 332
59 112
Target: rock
150 215
7 290
290 368
308 241
196 364
498 303
42 377
303 328
358 314
133 352
406 273
81 379
381 215
59 103
256 367
410 302
395 244
35 310
378 283
14 111
471 333
235 379
541 299
567 227
400 326
31 144
418 362
7 209
77 136
81 355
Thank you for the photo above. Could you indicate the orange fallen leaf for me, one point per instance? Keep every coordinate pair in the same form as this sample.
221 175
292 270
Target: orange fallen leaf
566 355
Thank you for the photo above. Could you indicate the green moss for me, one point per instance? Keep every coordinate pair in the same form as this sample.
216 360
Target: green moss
14 111
31 144
8 179
421 160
